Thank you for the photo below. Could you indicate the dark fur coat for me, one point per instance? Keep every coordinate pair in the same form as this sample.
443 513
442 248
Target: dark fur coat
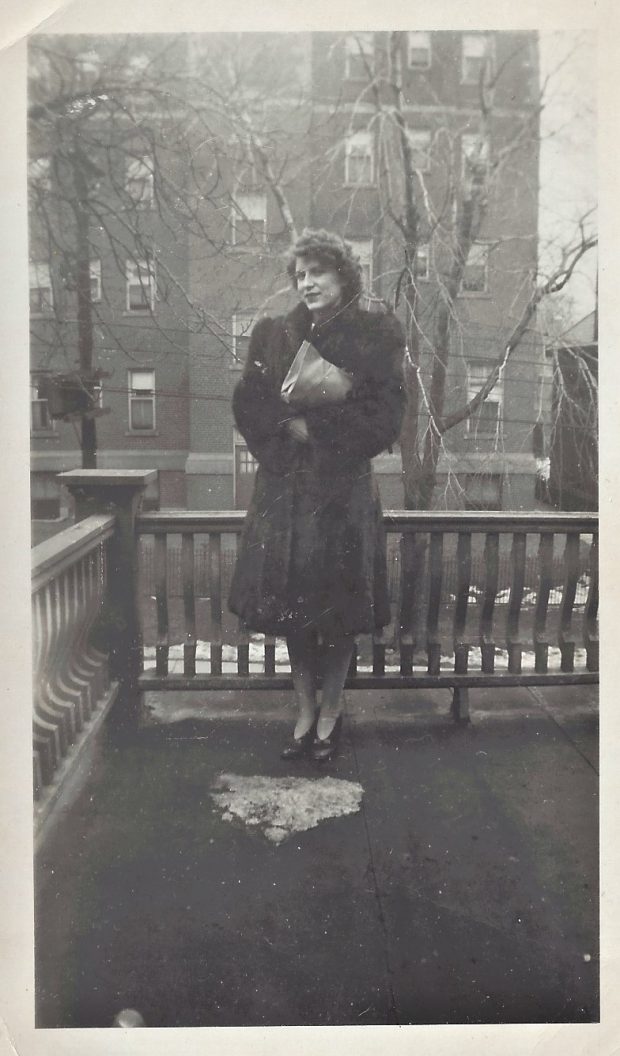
313 546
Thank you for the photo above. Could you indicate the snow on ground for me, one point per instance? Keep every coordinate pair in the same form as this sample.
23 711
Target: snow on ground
229 659
530 598
282 806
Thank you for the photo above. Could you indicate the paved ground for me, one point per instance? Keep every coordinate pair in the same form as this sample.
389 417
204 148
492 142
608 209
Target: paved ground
462 890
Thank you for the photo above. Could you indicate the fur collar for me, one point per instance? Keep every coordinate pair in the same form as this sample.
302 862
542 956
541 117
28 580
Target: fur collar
353 339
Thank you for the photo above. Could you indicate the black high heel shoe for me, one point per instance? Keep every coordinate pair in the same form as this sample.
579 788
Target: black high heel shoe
297 747
326 747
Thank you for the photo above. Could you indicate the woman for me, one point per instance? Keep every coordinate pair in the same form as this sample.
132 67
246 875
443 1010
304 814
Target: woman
312 563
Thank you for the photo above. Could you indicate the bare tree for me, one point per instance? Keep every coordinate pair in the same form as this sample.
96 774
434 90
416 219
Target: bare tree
188 134
451 211
137 148
442 192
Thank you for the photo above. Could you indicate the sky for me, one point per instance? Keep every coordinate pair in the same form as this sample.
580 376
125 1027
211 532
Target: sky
568 161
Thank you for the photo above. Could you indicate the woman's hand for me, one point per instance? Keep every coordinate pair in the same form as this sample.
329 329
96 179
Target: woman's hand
298 429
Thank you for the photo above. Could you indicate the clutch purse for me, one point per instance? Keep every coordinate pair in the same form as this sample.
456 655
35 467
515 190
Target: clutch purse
312 380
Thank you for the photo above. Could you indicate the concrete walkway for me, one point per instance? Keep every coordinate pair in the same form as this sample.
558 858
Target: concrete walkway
453 880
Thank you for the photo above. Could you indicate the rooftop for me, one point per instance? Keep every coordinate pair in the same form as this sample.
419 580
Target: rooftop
433 874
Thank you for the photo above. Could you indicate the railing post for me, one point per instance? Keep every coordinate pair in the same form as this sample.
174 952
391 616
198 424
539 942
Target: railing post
118 492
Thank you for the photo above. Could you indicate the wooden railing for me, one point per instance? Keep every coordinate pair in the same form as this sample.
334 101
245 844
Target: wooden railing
503 617
72 689
477 634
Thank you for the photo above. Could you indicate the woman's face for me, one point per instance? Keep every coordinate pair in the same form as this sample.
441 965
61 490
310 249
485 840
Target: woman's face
319 286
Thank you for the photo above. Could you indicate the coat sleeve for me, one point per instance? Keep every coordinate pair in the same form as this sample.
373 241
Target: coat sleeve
370 419
258 409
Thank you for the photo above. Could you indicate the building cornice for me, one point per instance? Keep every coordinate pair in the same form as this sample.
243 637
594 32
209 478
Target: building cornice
206 463
59 461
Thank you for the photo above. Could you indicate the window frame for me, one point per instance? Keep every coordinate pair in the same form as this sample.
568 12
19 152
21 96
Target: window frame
425 277
411 132
481 244
247 177
134 393
465 155
239 216
471 504
496 396
146 162
359 136
147 266
50 425
46 492
34 269
353 52
246 459
544 391
419 65
365 251
95 276
237 360
487 53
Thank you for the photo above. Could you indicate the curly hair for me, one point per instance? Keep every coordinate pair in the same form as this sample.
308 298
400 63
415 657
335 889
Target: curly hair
332 251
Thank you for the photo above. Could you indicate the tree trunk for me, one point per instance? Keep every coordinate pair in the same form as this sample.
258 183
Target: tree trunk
411 422
84 314
412 548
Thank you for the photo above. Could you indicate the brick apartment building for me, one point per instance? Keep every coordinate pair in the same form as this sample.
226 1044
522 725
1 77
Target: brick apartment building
170 322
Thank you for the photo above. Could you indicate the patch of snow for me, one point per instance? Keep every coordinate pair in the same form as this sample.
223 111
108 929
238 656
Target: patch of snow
257 665
281 806
528 661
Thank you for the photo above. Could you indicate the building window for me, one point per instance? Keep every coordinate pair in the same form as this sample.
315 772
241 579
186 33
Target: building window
97 393
140 182
486 420
245 466
419 50
483 491
140 285
41 297
476 52
246 461
142 400
363 248
544 393
95 281
476 272
40 418
422 262
242 323
248 219
474 155
359 161
359 56
44 497
420 146
246 172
